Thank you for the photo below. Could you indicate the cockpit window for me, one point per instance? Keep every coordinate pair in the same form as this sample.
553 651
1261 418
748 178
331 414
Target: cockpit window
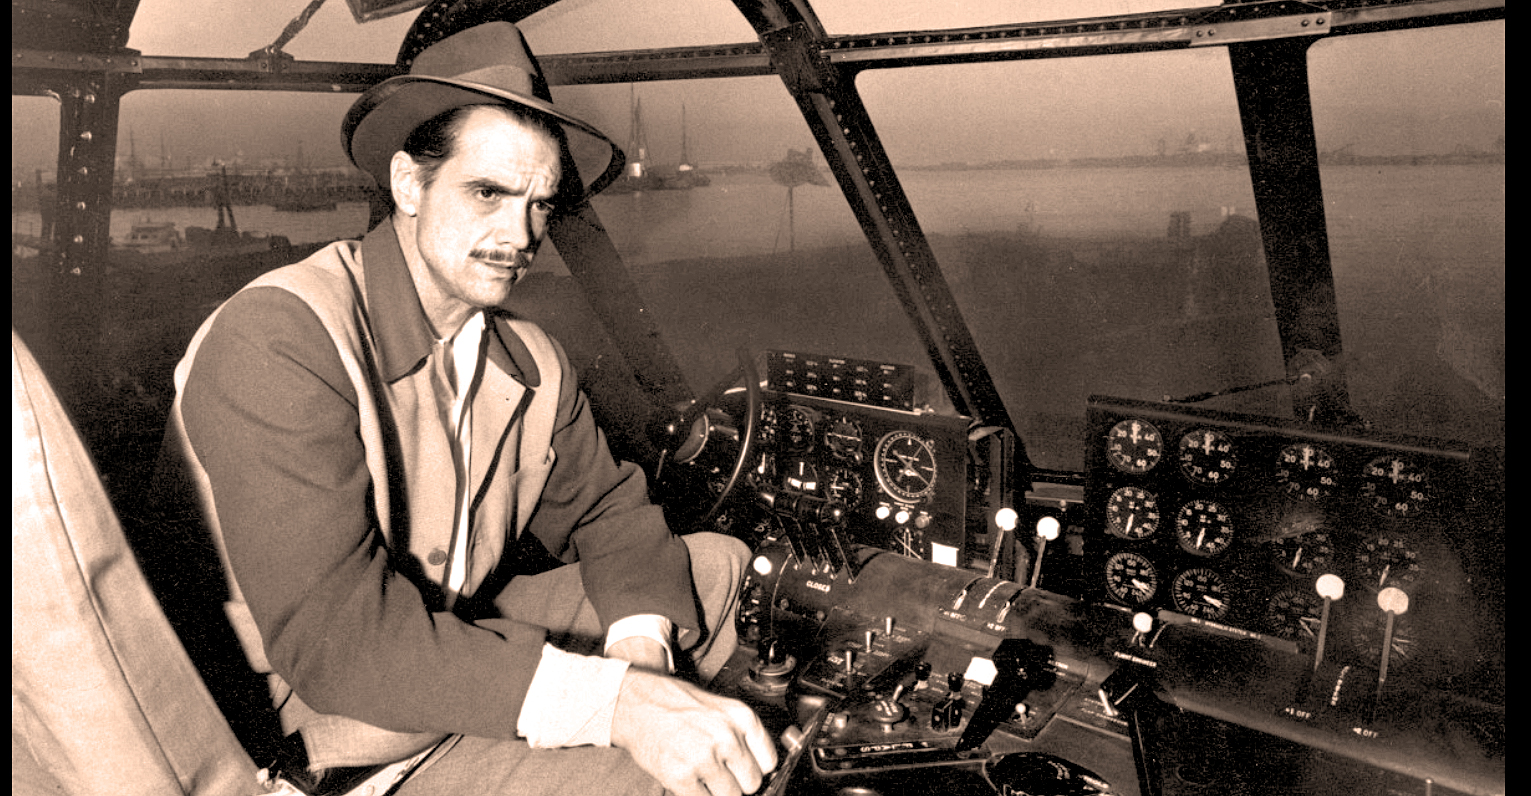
1097 226
34 160
733 228
1411 136
235 29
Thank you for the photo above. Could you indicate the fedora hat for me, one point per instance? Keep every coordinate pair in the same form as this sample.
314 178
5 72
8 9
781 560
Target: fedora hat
483 65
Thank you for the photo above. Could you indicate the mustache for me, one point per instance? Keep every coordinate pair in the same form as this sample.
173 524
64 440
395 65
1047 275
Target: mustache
514 257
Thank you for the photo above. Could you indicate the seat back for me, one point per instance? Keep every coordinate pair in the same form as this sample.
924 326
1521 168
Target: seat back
104 698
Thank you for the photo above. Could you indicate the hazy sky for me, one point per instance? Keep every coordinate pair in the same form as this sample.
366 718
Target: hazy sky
1404 92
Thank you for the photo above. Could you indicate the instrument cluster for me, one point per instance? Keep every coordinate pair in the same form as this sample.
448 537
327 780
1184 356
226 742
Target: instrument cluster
1232 521
898 476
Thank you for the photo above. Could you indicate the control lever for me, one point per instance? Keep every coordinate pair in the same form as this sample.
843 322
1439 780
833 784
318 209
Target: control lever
1130 690
1393 602
1020 667
1047 530
796 743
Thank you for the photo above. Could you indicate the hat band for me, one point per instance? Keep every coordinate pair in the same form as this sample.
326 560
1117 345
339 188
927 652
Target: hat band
500 78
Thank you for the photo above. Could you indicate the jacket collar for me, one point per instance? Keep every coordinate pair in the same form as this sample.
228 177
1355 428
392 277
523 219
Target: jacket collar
403 334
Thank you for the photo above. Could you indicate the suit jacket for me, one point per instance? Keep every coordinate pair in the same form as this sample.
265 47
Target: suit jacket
306 421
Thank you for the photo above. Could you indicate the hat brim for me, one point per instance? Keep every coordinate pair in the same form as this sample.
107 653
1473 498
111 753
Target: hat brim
384 116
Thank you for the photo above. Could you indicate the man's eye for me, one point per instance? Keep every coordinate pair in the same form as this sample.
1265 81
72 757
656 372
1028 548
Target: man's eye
543 206
487 194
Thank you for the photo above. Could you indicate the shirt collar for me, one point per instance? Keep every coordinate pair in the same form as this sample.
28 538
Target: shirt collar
403 334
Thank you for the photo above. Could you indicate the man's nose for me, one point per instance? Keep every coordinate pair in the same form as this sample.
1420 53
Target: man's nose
516 227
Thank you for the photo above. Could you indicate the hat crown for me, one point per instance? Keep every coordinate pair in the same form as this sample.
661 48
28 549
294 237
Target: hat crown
493 54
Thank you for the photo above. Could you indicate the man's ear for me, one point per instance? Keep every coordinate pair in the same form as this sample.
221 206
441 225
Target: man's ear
404 182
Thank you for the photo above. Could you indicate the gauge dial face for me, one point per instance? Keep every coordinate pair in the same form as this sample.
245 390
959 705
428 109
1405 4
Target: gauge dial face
1134 446
1200 593
1306 472
1388 560
1294 613
905 464
1405 642
796 428
1307 554
843 486
1394 486
1204 528
1132 513
844 439
1131 579
1207 456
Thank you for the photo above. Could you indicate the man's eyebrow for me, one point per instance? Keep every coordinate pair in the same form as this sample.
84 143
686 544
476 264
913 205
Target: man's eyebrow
519 187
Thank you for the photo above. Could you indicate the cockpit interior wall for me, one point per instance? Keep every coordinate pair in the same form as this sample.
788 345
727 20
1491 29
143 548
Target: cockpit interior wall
1129 402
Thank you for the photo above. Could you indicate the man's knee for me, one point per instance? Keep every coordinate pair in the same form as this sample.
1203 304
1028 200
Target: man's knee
717 562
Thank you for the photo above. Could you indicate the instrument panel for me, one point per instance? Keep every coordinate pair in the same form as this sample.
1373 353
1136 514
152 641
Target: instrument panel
1232 520
897 478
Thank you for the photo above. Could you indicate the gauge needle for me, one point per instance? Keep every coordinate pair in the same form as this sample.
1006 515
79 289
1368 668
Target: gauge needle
1135 436
1297 558
1213 601
1199 537
1307 457
1206 442
1130 519
1385 571
1141 586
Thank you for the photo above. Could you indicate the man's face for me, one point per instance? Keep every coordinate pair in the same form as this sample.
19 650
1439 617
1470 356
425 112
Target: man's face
480 218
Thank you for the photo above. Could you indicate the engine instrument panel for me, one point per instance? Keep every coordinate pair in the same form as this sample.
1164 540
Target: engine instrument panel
1232 520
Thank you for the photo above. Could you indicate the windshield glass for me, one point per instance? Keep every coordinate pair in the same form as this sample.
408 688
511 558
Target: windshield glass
1089 255
730 222
1411 128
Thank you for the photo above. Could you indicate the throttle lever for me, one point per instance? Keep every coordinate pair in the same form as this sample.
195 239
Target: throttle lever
1021 666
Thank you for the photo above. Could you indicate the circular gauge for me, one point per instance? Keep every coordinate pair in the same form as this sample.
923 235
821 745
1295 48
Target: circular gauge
843 486
1134 446
1306 472
1368 637
800 476
1293 613
1305 554
1132 513
1131 578
1204 528
1200 593
1394 486
1207 456
905 464
844 440
1388 560
796 429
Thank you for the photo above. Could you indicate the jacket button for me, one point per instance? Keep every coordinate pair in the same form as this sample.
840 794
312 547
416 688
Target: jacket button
437 557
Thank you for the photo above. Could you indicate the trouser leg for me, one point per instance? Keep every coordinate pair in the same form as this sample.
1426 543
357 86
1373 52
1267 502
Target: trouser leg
717 569
556 600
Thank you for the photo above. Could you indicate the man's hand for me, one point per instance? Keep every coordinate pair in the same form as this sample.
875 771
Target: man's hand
693 742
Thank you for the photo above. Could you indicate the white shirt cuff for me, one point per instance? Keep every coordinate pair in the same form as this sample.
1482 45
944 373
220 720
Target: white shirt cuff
571 700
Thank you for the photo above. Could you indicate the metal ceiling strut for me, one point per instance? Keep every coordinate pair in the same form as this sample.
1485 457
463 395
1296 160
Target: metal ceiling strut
840 123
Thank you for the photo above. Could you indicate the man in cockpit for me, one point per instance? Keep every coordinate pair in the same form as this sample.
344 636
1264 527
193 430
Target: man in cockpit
432 549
